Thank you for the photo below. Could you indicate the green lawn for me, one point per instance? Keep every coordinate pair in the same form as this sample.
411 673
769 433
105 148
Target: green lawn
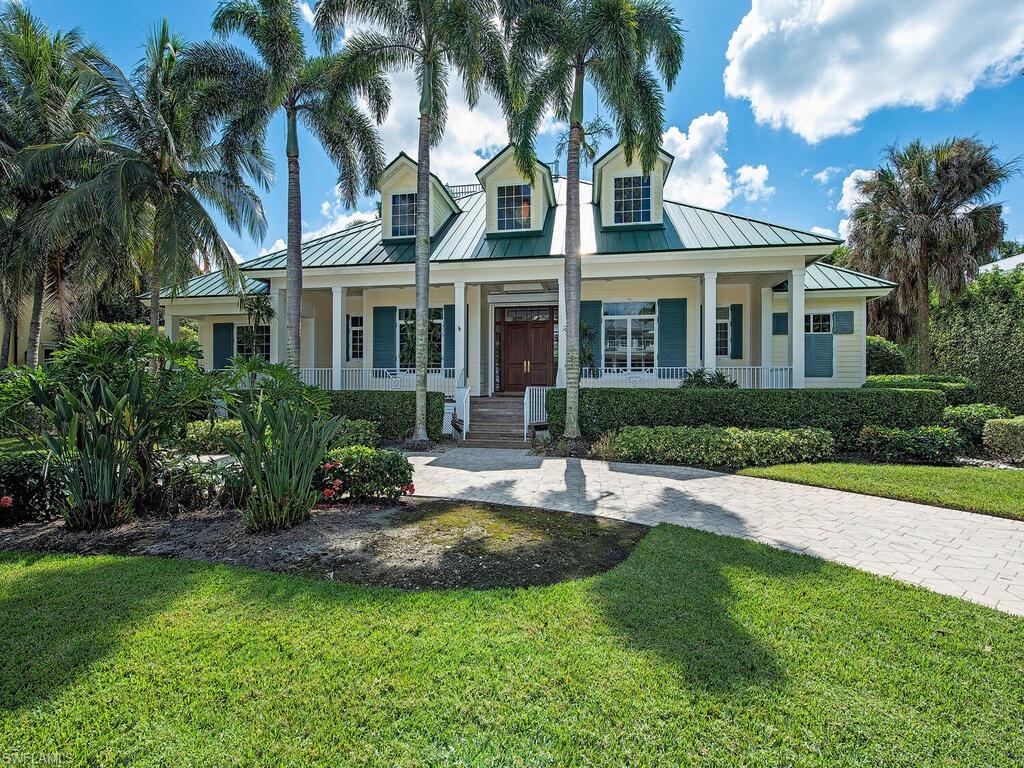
998 492
697 650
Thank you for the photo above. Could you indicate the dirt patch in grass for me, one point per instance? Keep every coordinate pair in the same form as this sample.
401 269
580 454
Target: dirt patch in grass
415 544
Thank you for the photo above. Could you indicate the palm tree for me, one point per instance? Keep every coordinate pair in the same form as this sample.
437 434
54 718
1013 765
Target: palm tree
434 39
558 47
926 221
322 92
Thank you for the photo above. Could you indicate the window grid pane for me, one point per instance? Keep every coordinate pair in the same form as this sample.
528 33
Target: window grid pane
403 215
632 199
722 338
513 207
355 348
407 338
818 323
252 342
629 341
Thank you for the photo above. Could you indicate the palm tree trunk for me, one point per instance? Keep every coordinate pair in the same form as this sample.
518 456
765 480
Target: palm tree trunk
293 270
155 287
35 325
573 265
924 339
5 342
422 275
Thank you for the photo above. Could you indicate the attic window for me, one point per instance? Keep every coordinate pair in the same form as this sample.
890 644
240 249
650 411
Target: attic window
403 215
513 207
632 198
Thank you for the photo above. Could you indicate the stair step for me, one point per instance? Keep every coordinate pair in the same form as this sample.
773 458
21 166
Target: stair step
474 442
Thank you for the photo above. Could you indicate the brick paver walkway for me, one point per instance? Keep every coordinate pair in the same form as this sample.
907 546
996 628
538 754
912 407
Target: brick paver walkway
972 556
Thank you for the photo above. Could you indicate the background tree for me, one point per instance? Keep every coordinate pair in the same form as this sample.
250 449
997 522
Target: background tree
321 92
558 47
434 39
926 221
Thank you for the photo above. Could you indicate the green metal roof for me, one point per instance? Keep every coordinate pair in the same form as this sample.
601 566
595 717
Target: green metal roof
828 277
213 285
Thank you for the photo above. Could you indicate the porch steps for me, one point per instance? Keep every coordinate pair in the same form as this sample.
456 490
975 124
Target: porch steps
495 422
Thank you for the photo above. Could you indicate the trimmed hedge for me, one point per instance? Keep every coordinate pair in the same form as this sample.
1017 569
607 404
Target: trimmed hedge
1004 439
393 412
969 420
203 437
923 445
957 389
356 432
364 473
884 357
26 492
726 448
843 412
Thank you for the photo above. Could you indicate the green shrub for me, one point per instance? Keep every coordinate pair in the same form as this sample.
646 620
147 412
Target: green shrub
18 413
1004 439
841 411
364 473
884 357
957 389
393 412
715 447
923 445
701 378
204 437
969 420
26 493
356 432
180 484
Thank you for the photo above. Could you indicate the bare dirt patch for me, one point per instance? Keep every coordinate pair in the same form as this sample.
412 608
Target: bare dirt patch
415 544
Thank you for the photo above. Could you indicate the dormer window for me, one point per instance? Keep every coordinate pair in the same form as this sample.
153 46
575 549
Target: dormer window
514 207
403 215
632 199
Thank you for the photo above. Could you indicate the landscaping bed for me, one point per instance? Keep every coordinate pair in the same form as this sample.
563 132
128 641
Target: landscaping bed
413 544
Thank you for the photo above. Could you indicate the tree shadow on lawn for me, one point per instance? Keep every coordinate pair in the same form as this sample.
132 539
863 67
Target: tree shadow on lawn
62 616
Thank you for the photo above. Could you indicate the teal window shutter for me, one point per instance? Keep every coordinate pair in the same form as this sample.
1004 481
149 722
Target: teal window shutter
223 344
780 324
818 355
448 348
590 313
385 337
842 322
736 331
671 333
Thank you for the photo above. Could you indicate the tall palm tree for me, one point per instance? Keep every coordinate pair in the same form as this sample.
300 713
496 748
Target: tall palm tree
321 92
926 221
161 171
558 47
434 38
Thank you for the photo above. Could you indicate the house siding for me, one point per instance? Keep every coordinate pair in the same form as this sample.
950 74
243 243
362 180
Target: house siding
848 348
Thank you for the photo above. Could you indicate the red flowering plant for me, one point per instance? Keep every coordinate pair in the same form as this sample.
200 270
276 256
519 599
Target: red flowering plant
363 473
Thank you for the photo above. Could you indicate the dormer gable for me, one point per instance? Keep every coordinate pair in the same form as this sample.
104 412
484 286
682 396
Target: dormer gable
397 187
627 196
515 206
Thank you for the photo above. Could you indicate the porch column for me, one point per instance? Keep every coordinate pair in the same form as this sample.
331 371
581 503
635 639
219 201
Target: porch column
766 326
172 324
338 340
796 326
560 374
710 315
278 325
460 335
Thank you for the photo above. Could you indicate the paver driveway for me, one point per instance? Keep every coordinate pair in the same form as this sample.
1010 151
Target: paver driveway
957 553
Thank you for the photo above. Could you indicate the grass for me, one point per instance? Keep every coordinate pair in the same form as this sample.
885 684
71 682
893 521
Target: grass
698 649
997 492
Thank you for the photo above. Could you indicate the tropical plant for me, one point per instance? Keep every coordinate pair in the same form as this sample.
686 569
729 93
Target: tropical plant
434 40
558 47
281 446
926 221
365 473
321 92
701 378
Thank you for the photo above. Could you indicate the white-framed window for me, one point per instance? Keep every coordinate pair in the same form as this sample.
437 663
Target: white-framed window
631 196
407 338
723 330
630 335
513 207
818 322
252 342
403 214
355 337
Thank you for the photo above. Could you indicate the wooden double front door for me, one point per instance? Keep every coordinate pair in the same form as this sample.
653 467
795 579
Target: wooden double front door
527 338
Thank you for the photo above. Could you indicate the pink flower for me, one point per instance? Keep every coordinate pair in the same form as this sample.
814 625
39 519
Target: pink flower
409 489
328 492
326 467
336 484
6 501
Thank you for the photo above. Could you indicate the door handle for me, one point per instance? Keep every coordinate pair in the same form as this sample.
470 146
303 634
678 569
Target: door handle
524 366
529 366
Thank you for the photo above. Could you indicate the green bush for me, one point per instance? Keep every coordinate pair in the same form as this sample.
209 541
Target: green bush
18 413
726 448
1004 439
356 432
393 412
365 473
26 493
969 420
204 437
957 389
884 357
180 484
923 445
841 411
701 378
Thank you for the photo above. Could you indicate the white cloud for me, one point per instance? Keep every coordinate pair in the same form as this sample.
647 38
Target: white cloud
338 217
277 245
825 174
819 67
307 12
752 182
825 231
851 197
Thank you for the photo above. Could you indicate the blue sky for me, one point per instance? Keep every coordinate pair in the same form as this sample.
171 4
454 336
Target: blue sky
777 104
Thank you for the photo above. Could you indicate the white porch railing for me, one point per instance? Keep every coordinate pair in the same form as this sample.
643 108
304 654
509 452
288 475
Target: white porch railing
380 379
317 377
535 408
746 376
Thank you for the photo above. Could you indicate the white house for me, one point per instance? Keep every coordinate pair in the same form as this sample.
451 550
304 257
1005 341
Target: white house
667 287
